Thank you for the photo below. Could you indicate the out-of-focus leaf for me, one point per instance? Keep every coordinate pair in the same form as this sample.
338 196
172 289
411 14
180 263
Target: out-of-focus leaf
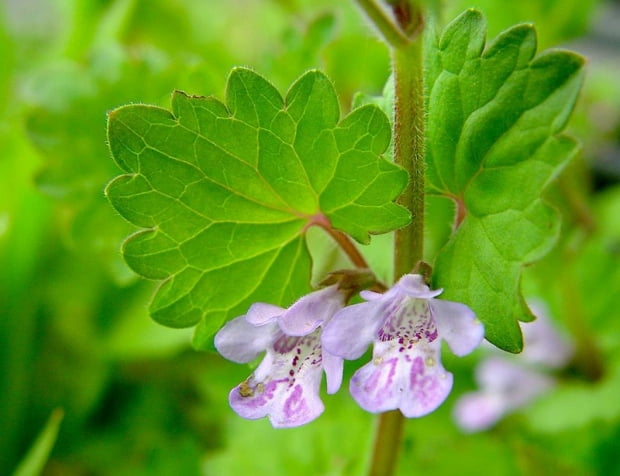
37 455
66 122
597 268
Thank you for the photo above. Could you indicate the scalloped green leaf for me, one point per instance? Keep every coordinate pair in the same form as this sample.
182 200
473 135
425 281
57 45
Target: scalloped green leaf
225 192
495 116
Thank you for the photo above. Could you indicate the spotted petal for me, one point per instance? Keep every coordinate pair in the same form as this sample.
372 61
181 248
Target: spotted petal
287 403
285 386
414 381
300 403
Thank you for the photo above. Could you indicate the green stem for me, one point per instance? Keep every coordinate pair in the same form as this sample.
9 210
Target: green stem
390 32
409 152
387 444
407 68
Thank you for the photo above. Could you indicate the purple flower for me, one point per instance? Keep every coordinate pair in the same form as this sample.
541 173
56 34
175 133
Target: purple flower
406 325
507 383
544 346
504 386
285 386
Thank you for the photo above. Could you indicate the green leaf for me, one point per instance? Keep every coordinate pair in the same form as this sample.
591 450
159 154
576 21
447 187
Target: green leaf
494 143
226 192
38 454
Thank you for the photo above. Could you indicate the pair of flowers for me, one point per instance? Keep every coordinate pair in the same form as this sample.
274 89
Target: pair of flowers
314 335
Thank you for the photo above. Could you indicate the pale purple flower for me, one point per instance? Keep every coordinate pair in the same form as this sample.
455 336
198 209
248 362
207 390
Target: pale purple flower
543 345
504 386
406 325
507 383
285 386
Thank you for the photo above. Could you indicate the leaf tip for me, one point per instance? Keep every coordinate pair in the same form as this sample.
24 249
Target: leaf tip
245 74
471 15
239 72
112 114
512 342
114 118
310 78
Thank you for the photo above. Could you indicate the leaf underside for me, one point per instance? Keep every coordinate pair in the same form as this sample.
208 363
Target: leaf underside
494 144
225 192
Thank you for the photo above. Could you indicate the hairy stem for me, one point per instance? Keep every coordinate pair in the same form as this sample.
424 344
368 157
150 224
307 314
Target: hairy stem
409 154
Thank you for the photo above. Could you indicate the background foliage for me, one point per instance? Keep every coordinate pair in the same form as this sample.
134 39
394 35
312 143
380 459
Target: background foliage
74 329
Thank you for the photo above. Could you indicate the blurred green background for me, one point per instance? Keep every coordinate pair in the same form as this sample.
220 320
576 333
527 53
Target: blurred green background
135 398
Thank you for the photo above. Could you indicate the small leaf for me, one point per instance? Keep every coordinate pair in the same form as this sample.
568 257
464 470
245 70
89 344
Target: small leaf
227 191
494 143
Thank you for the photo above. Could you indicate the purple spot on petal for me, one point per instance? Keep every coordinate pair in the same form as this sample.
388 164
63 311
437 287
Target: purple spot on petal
431 335
294 362
425 388
380 382
284 344
295 404
408 321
